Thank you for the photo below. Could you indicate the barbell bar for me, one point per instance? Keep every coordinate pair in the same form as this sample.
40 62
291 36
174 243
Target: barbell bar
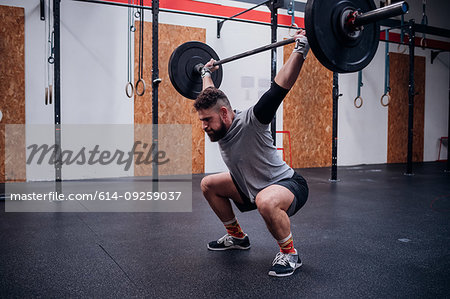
343 35
199 67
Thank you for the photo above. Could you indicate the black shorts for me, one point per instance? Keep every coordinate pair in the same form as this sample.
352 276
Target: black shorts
296 184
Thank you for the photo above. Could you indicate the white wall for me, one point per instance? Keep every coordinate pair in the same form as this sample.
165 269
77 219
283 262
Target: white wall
94 40
94 64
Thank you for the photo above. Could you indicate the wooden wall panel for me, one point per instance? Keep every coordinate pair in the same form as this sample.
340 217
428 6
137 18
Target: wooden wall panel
307 114
12 80
172 107
398 108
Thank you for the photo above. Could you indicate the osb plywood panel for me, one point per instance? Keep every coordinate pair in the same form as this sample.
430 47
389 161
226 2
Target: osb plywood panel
172 108
173 158
15 155
2 152
307 114
398 108
12 80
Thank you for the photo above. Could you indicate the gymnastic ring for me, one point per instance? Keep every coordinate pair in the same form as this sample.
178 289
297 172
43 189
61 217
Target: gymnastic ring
404 49
137 89
423 43
129 92
388 97
356 99
295 27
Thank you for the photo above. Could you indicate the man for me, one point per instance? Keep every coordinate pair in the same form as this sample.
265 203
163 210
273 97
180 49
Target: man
258 178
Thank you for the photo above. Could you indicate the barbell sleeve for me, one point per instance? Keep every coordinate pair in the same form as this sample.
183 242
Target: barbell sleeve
381 13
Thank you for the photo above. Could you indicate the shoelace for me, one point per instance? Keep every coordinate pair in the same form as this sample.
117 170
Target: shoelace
281 259
227 237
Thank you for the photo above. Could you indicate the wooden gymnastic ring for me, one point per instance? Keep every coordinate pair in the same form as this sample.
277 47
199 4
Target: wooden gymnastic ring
137 85
388 97
423 43
129 92
356 99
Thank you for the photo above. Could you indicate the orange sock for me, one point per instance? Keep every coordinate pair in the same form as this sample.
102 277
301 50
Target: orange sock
234 229
287 244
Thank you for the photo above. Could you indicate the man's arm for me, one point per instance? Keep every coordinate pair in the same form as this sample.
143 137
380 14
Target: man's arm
267 106
206 74
289 72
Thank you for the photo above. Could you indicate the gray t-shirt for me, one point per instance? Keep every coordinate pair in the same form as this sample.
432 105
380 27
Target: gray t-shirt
248 151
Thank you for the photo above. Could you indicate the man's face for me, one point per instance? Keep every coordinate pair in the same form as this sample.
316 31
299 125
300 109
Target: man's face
212 123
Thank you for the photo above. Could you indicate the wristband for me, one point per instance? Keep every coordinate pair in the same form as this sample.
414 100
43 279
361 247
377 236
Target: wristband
205 72
301 46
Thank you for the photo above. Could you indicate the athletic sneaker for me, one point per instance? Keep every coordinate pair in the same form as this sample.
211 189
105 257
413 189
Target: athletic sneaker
285 264
229 242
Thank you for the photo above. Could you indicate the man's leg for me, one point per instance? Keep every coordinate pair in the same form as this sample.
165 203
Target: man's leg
218 189
273 203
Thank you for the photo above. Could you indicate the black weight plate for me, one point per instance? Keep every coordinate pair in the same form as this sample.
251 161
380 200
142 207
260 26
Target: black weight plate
186 80
330 46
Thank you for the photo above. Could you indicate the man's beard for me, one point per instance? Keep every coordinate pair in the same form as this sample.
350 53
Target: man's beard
216 135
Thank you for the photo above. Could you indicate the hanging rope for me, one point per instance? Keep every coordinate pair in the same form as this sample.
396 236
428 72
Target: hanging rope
387 88
49 56
291 12
423 41
141 52
358 97
129 89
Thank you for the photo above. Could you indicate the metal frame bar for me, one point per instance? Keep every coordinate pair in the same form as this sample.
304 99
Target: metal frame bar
411 93
417 27
57 92
447 169
273 70
155 85
220 23
180 12
115 4
334 137
42 10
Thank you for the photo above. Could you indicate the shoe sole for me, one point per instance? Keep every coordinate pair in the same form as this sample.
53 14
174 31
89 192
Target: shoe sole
274 274
237 247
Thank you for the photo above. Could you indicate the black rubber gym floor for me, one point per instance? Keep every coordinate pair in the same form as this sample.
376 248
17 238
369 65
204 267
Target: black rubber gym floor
374 234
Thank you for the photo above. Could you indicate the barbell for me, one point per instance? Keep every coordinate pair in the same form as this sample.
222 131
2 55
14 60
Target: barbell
343 36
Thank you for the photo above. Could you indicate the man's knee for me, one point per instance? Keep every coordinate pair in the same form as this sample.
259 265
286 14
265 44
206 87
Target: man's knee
266 204
207 184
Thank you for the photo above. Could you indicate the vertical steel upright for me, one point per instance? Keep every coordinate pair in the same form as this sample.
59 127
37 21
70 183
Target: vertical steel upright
448 132
335 128
155 84
57 91
273 5
411 92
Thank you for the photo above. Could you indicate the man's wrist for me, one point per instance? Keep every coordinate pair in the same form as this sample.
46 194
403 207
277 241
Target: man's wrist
301 46
205 72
